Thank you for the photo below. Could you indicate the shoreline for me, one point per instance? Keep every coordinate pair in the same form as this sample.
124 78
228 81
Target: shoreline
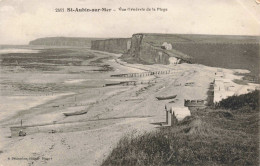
116 111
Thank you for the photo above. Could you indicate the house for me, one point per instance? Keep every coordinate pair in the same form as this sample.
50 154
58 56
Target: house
180 112
176 114
166 46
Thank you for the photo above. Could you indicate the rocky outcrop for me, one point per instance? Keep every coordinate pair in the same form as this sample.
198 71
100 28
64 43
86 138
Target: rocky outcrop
119 45
212 50
151 49
63 41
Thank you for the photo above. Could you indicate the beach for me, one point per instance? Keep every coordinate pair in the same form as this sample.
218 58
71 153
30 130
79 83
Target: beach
39 95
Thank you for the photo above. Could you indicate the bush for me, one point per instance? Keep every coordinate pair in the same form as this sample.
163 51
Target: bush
235 102
208 137
196 141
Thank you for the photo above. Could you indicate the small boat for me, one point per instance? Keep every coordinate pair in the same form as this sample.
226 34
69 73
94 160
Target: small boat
112 84
189 84
166 98
76 113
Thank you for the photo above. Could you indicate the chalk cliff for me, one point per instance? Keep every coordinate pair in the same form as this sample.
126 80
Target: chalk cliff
63 41
213 50
118 45
148 48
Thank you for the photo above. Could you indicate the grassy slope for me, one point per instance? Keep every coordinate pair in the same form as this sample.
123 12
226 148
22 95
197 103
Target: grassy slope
208 137
234 52
234 56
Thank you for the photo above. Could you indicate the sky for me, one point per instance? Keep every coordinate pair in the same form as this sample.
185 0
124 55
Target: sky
25 20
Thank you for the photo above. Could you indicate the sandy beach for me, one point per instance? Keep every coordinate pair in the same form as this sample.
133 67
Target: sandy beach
112 111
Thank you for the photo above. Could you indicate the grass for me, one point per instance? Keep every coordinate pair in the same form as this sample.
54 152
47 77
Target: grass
208 137
232 56
236 102
231 52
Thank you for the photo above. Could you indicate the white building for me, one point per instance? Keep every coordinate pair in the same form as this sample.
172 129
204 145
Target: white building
167 46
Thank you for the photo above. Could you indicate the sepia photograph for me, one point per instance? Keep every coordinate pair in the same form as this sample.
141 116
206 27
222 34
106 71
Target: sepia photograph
129 82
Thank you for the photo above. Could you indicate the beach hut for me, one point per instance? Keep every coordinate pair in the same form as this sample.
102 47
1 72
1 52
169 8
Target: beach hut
180 112
175 115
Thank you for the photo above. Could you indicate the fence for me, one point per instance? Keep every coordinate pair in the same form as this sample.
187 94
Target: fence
145 74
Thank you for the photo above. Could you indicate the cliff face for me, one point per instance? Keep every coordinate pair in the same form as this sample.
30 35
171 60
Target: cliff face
121 45
218 51
63 41
241 52
136 44
148 48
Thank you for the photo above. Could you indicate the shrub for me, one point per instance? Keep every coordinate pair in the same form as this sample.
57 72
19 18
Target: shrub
196 141
235 102
208 137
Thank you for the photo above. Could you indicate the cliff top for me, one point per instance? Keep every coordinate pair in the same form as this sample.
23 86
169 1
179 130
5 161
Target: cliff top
112 39
65 38
201 38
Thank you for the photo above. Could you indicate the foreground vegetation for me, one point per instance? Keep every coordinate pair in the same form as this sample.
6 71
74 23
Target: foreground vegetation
227 135
250 100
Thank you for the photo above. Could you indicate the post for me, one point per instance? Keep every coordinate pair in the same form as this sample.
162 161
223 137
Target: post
166 114
166 117
169 117
21 122
173 119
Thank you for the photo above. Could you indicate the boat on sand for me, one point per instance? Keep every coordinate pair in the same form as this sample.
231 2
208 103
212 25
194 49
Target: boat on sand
76 113
166 97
